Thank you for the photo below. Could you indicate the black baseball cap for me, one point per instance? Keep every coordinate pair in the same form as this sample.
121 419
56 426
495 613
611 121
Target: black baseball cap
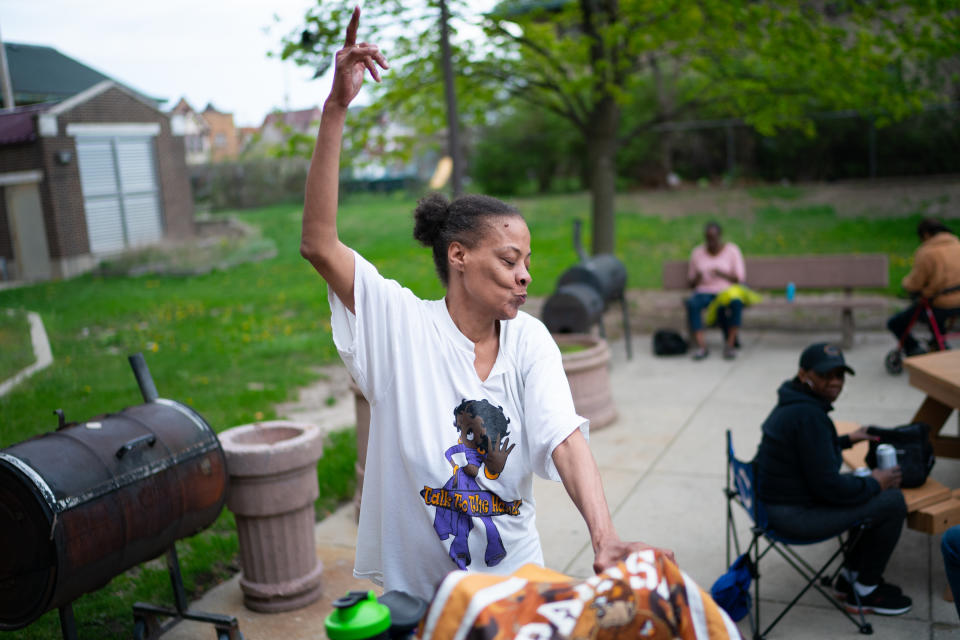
822 357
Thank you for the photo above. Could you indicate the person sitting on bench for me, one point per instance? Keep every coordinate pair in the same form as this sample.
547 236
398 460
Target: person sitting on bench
935 276
806 496
714 266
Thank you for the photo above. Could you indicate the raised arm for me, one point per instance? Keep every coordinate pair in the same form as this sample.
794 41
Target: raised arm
581 478
319 241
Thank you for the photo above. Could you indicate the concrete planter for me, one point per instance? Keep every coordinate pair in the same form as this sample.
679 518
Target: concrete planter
362 408
273 484
588 372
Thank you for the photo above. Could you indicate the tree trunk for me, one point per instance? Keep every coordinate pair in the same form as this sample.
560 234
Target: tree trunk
449 92
602 156
665 107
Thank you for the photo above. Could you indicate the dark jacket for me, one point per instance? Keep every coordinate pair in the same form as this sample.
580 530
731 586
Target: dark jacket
798 461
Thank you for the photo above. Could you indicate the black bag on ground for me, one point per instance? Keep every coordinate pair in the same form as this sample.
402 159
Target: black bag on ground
914 451
667 342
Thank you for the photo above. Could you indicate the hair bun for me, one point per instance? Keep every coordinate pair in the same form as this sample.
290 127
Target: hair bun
430 217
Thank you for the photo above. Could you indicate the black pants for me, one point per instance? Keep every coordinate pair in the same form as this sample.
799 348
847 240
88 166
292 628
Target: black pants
898 323
885 511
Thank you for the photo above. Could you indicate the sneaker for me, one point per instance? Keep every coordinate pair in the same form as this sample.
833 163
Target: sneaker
729 353
700 354
841 588
885 600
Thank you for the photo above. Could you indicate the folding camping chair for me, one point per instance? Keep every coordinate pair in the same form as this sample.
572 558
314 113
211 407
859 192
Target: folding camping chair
742 489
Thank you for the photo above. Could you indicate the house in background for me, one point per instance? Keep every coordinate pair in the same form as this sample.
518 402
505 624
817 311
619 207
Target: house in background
395 155
224 141
248 136
196 132
279 125
88 168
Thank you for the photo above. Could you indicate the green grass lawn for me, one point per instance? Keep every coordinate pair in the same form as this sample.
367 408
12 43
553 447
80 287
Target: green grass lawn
16 350
234 343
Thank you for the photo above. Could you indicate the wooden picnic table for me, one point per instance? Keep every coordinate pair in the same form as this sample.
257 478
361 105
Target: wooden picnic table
938 375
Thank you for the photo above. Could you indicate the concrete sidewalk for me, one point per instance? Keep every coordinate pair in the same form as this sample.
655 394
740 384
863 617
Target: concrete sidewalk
663 467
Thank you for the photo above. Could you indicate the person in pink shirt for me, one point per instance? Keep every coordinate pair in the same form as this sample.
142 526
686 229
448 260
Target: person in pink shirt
714 266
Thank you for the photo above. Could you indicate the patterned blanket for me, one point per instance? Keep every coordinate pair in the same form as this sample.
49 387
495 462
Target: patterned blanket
645 596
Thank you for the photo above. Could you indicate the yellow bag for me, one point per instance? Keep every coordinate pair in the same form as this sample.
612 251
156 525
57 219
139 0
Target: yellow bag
734 292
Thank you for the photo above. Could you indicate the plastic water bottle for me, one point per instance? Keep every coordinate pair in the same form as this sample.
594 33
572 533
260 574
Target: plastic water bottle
791 291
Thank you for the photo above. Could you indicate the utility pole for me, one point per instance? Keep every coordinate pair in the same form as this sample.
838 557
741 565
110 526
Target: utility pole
6 84
453 133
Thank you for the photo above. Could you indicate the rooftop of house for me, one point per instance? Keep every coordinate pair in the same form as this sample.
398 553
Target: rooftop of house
21 123
43 74
17 124
300 120
182 108
212 109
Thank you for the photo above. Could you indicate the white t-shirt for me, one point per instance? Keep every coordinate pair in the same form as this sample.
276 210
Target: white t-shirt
420 516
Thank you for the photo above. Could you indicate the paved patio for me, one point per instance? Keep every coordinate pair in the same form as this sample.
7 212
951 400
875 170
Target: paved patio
663 468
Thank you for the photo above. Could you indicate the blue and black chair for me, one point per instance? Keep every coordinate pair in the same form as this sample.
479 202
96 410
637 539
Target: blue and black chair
741 488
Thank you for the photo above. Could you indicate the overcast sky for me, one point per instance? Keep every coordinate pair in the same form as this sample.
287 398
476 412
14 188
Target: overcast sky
205 50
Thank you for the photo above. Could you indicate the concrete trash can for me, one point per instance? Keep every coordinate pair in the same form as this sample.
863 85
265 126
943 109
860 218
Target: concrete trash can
587 365
273 484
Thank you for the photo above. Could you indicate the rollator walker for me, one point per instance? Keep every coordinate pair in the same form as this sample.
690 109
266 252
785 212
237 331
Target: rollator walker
939 334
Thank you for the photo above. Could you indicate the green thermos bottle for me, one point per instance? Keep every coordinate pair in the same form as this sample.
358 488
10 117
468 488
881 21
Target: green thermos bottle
358 616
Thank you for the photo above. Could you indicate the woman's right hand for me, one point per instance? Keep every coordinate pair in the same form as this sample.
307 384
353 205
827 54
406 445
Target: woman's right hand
351 62
888 477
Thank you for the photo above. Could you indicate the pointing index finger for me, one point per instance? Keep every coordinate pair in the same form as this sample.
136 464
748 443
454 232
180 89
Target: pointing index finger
352 27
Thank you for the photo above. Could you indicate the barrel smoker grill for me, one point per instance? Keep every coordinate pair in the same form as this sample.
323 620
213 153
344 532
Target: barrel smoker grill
585 291
90 500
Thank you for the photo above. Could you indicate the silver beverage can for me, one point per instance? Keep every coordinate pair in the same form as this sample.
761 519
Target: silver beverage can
886 456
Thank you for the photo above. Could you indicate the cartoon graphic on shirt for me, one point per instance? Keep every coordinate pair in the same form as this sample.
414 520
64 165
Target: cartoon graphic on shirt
483 443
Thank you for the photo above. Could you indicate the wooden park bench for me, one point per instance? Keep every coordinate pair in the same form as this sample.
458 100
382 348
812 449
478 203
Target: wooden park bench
843 272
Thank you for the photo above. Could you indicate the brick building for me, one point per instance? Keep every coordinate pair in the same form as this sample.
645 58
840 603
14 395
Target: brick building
86 176
224 138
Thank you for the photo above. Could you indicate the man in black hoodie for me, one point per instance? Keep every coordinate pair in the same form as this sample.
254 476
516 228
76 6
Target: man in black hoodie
806 496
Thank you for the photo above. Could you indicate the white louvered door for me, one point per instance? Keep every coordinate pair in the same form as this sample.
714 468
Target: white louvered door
138 188
101 200
120 194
